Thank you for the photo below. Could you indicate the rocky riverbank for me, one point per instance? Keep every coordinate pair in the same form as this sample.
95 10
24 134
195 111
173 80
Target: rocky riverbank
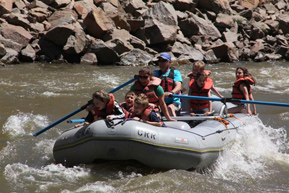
133 32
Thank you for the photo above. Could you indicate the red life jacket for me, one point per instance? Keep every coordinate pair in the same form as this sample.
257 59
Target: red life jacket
167 83
107 111
190 75
127 110
148 90
145 115
196 91
237 93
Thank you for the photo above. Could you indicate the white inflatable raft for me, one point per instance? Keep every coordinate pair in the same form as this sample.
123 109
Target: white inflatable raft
177 146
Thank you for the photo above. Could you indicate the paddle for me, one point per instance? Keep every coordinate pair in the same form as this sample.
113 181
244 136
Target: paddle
224 100
80 109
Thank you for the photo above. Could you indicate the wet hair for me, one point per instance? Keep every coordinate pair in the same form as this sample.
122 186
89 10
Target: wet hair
130 93
146 70
246 73
200 64
101 95
141 100
201 74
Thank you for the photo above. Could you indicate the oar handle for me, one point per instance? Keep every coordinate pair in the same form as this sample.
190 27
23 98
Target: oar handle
76 121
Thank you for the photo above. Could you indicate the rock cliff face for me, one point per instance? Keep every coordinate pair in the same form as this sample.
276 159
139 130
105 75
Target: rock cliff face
134 32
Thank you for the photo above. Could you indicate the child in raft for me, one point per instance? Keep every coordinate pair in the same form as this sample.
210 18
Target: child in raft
104 106
127 106
242 90
199 66
144 112
200 86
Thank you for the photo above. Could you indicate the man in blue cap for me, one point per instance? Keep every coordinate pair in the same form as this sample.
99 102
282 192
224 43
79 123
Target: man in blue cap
171 82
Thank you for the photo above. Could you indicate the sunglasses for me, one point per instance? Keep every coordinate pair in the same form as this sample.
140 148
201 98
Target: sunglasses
162 60
142 77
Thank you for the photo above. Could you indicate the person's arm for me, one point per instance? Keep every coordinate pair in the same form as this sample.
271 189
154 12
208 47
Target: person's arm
178 82
164 108
210 104
118 112
244 89
186 87
189 105
253 105
177 88
216 91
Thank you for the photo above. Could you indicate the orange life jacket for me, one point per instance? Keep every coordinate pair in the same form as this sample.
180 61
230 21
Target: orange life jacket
148 90
127 110
196 91
207 72
237 93
107 111
167 83
145 115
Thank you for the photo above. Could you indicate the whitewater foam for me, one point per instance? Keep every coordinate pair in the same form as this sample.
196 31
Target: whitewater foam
24 123
257 146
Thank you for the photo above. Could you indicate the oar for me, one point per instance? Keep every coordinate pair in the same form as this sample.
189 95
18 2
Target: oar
80 109
224 100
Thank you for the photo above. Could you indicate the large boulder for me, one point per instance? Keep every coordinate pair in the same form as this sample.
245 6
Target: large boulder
97 23
39 14
160 24
135 57
5 6
11 57
195 25
117 14
27 54
227 52
104 53
18 20
15 33
132 6
10 44
60 34
217 6
2 50
284 22
62 18
84 7
191 53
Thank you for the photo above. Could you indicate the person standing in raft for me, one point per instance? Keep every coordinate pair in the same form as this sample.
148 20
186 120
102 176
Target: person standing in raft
127 106
200 86
171 83
199 66
149 85
104 106
144 112
242 90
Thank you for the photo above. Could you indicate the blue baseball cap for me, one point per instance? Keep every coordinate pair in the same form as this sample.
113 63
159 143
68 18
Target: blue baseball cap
165 56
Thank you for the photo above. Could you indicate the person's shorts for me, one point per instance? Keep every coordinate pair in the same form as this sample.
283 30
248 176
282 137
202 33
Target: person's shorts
178 106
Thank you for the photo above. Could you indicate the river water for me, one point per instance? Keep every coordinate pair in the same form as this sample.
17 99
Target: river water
35 95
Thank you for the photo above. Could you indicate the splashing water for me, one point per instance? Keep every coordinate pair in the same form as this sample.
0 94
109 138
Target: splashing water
47 177
24 123
256 148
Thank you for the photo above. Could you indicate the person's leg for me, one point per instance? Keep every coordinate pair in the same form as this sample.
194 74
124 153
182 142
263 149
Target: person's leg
172 109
